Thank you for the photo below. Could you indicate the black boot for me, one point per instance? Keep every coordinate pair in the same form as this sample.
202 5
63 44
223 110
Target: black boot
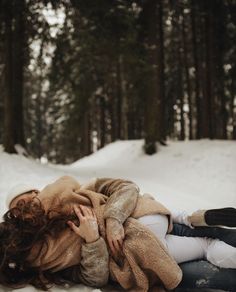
214 217
223 217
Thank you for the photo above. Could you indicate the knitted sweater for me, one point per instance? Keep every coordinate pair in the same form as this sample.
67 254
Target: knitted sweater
136 270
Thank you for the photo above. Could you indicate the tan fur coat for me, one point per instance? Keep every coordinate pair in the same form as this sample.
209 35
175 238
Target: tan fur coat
145 261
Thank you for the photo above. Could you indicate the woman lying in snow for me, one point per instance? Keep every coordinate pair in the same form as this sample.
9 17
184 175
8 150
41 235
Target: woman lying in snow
38 247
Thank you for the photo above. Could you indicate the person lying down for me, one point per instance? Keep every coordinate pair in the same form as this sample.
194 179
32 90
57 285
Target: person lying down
104 230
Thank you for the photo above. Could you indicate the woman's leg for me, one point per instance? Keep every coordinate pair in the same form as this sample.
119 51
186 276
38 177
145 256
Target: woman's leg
217 252
184 249
202 274
221 254
226 235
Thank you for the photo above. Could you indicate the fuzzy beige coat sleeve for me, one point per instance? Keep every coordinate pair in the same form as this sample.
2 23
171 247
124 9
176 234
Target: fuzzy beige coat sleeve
122 196
93 269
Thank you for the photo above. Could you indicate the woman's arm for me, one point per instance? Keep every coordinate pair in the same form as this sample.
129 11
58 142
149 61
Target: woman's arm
122 199
65 185
122 196
93 269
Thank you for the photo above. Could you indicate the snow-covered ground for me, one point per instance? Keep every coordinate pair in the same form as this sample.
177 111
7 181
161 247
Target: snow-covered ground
183 175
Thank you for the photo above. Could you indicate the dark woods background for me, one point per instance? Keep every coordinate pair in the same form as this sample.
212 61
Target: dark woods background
77 75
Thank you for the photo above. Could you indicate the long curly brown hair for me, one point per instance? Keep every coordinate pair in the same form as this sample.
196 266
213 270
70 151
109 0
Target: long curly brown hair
23 227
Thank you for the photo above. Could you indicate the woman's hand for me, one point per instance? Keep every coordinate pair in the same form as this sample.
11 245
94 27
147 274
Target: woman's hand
115 235
88 228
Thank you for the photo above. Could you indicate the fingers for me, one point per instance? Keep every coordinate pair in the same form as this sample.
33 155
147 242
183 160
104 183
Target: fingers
94 216
120 242
83 212
79 213
88 225
74 227
112 247
116 244
115 235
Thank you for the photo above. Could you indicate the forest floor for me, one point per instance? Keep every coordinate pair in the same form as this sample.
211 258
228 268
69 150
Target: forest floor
183 175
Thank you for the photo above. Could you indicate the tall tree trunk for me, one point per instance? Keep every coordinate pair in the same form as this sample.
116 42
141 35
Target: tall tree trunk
124 100
232 105
219 20
180 85
14 62
38 110
161 72
209 106
187 77
9 139
179 91
86 139
118 99
153 113
102 117
198 97
113 106
18 68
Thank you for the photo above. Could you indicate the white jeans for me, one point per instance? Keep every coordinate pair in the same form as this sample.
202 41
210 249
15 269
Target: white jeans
185 249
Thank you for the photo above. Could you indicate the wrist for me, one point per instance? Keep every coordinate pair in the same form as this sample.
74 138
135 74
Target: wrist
112 221
91 239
